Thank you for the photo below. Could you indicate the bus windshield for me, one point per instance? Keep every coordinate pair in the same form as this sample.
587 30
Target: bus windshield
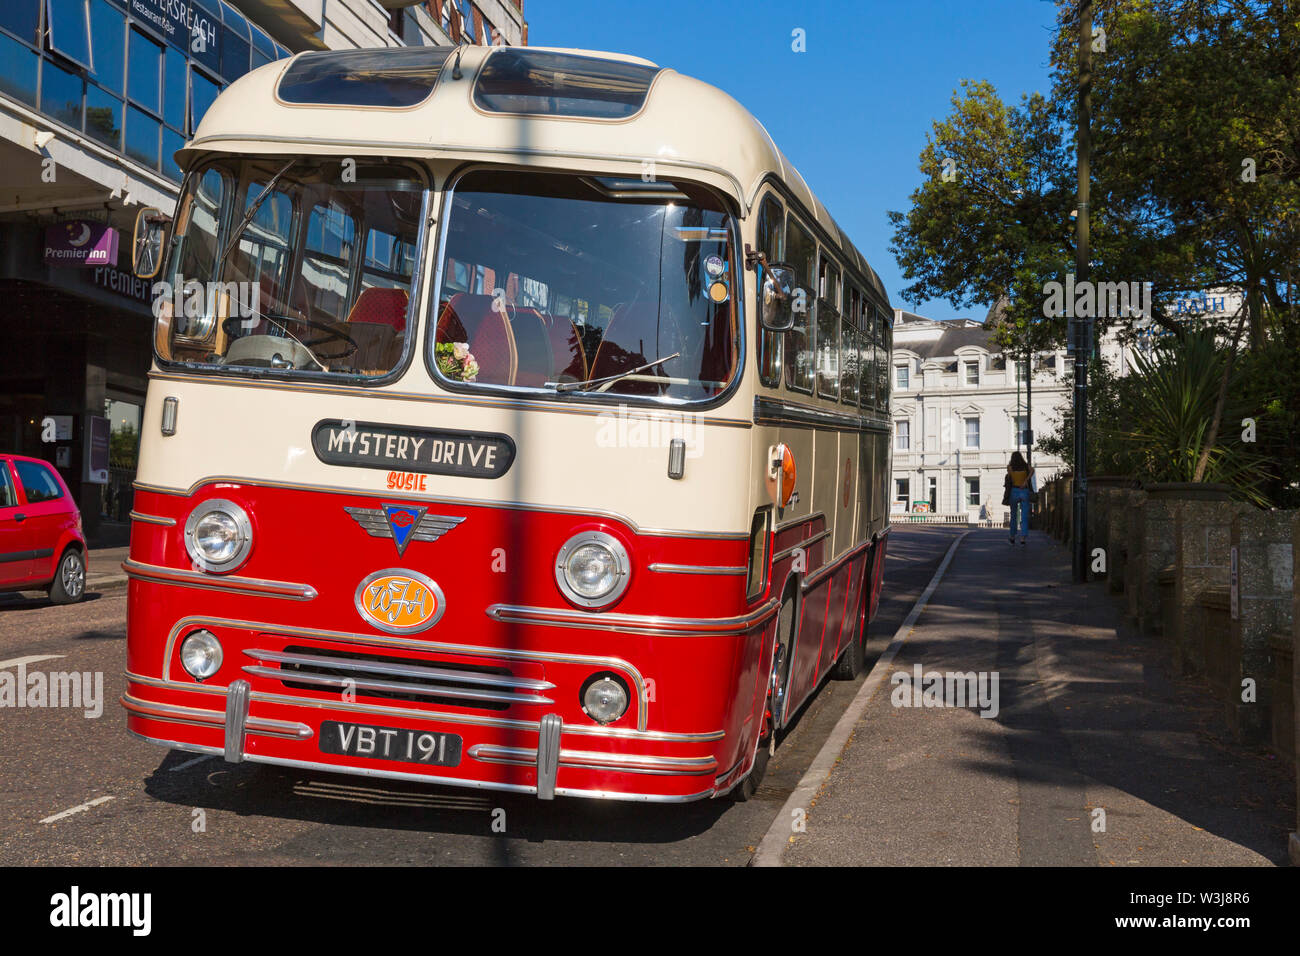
294 266
586 284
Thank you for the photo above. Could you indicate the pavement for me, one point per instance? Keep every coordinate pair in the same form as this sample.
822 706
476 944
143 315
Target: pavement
1092 753
104 569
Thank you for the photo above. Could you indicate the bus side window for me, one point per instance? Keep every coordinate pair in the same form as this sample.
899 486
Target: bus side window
801 255
850 349
867 353
828 329
885 346
770 241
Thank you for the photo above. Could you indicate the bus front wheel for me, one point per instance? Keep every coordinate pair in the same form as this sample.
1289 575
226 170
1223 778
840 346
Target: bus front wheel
776 694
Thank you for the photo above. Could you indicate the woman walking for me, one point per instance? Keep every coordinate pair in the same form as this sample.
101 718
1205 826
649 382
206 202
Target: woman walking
1020 482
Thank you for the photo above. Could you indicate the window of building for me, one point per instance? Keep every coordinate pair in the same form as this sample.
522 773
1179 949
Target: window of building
176 88
1022 428
141 137
972 431
902 435
68 25
801 253
236 47
203 93
144 73
22 18
1021 370
771 242
901 377
18 66
972 372
902 492
103 117
263 46
108 37
61 94
467 24
973 491
828 330
932 484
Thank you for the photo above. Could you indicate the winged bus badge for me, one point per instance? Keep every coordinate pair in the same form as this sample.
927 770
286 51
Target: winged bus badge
402 523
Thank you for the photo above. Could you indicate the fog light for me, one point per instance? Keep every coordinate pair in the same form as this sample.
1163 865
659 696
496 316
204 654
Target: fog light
201 654
605 698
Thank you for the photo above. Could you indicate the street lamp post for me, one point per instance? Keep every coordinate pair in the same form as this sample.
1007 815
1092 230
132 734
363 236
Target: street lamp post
1082 331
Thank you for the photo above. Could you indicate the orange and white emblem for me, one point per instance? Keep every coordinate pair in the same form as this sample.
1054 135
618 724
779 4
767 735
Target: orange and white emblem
400 601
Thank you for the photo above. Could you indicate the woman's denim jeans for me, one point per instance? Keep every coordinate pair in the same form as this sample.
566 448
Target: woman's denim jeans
1020 512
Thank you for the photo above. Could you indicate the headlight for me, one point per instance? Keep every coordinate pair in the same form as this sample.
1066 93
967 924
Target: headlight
605 698
218 535
592 569
201 654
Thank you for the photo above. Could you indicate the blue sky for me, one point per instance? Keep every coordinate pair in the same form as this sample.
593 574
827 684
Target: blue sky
852 112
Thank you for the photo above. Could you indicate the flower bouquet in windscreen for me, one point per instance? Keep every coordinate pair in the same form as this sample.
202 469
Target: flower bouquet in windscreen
456 361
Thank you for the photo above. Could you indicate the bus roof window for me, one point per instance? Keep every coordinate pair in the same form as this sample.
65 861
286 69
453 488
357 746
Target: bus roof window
561 84
388 77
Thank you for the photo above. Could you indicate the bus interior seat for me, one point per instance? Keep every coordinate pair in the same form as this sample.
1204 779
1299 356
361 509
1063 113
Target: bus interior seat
377 323
524 347
636 326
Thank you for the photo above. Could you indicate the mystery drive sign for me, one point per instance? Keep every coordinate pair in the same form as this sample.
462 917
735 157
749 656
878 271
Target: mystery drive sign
438 451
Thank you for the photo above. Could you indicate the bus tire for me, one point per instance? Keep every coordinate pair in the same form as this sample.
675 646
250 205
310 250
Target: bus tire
787 623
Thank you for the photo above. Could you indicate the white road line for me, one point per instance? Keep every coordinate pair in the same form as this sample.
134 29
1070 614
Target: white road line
191 763
778 834
34 658
77 809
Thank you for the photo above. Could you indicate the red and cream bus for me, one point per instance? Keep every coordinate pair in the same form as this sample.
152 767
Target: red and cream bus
518 420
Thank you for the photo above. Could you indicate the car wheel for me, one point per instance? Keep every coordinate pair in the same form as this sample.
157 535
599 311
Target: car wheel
69 584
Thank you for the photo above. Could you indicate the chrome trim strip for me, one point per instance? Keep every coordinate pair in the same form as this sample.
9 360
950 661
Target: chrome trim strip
465 502
805 544
236 718
379 640
427 150
649 412
198 717
696 569
622 733
634 623
156 574
400 670
771 411
153 519
594 760
548 755
349 683
794 522
473 784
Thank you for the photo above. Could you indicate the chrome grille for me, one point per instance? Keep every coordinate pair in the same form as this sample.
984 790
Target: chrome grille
372 675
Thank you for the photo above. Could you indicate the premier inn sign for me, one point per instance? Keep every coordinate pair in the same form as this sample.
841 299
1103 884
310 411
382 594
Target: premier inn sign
80 244
402 448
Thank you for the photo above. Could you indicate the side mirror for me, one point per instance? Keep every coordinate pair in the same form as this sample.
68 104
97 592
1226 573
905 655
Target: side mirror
147 242
776 298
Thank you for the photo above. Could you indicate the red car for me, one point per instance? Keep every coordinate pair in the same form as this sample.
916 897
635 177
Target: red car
41 544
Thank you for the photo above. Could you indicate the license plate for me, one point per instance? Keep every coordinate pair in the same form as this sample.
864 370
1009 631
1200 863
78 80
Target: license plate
390 743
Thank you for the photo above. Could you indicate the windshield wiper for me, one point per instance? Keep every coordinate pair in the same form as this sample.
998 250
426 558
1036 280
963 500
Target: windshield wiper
574 386
248 216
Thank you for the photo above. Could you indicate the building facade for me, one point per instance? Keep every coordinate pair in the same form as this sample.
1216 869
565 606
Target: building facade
962 405
95 98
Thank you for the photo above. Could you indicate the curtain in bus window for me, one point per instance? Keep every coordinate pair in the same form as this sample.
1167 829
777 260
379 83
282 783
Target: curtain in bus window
867 356
801 252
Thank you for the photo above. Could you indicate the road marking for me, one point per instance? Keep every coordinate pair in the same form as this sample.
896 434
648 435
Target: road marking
20 661
77 809
778 834
191 763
